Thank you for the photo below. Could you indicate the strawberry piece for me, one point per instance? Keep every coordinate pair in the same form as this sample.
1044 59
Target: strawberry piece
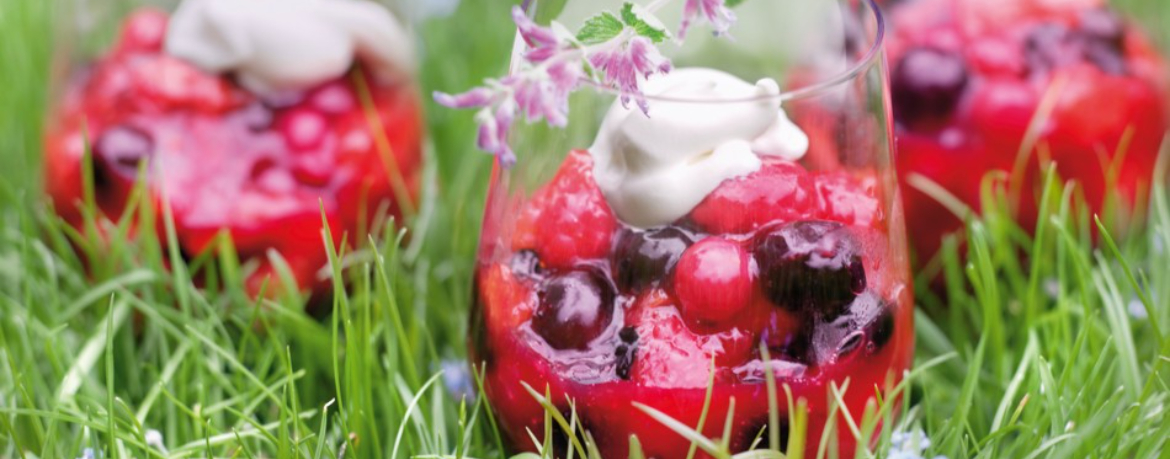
568 221
778 192
671 355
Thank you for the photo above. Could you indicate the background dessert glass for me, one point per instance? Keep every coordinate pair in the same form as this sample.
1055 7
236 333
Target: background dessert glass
222 155
804 260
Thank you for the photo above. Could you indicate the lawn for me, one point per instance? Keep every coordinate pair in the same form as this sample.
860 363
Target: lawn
1038 347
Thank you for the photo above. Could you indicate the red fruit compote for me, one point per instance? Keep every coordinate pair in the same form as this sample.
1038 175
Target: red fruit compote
970 78
258 160
676 251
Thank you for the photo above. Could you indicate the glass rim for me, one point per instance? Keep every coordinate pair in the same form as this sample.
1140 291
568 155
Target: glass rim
809 91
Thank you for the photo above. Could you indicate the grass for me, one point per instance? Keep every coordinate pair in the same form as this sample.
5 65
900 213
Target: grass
1040 347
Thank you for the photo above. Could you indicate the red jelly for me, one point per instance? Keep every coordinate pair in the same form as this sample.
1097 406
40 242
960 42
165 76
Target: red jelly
223 158
796 261
968 77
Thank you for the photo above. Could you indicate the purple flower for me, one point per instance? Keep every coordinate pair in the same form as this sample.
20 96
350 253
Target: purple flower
622 66
542 41
493 132
475 98
713 11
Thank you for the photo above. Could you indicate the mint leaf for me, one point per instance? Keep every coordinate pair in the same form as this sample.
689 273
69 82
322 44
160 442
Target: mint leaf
732 3
640 26
600 28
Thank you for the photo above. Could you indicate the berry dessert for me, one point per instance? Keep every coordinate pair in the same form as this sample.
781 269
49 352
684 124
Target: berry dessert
968 78
619 284
254 143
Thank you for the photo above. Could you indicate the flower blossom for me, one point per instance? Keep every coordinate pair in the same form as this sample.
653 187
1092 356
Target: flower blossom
714 12
909 445
554 65
622 67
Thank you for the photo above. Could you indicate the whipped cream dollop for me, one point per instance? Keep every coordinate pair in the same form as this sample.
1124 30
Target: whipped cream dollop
655 169
275 46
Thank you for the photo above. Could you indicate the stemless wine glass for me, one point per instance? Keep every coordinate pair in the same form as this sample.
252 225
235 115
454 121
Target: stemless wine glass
798 269
220 154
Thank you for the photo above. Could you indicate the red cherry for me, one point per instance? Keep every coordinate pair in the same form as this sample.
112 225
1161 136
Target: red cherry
777 193
713 281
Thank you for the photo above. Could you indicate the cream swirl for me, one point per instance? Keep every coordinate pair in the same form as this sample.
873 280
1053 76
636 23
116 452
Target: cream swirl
655 169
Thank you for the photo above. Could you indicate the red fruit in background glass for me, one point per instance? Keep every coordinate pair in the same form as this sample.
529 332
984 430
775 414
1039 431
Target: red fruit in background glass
956 126
223 158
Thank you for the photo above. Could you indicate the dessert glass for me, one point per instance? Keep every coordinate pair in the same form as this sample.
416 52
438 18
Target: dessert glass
802 261
221 157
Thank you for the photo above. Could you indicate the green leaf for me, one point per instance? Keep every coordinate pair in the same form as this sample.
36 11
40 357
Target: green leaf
640 26
732 3
600 28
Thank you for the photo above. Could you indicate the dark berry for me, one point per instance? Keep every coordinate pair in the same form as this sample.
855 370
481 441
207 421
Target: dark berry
927 85
642 258
122 148
526 263
881 330
625 360
811 266
574 309
629 335
1050 46
866 326
1103 24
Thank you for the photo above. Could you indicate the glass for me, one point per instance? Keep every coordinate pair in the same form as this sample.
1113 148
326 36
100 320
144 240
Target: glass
806 259
260 165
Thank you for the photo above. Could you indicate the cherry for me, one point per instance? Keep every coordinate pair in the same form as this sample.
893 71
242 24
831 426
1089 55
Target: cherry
575 309
1103 33
642 258
811 266
927 85
713 281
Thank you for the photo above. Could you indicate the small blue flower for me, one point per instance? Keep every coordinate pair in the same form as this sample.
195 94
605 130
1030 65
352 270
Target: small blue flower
909 445
457 379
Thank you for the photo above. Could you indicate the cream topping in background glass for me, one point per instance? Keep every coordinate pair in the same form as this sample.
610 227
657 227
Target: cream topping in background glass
283 45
